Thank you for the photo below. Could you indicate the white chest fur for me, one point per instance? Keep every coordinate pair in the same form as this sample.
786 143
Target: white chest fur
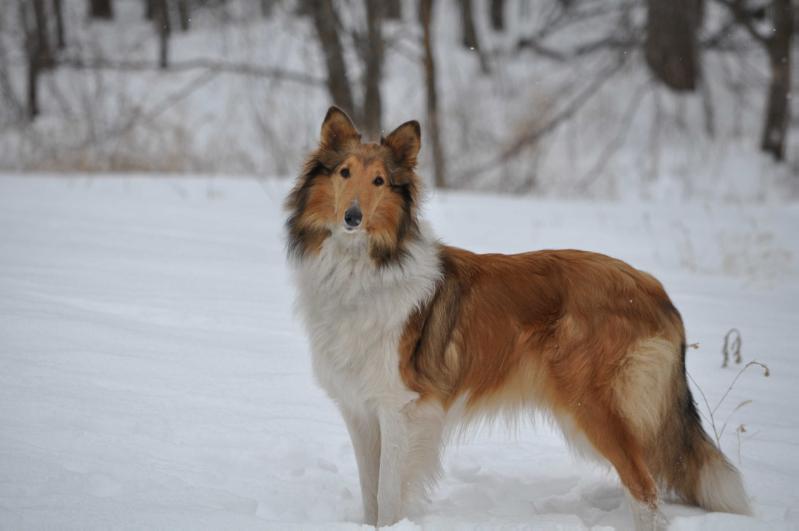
355 314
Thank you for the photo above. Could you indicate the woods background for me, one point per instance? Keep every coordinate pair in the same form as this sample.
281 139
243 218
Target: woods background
644 98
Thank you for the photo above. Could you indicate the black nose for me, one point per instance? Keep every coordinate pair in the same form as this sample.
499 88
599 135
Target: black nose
353 216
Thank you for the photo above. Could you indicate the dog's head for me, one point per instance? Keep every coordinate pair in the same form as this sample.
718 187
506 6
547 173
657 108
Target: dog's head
360 190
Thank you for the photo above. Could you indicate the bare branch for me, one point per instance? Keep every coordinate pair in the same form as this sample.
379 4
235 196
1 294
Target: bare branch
739 12
534 135
210 65
617 142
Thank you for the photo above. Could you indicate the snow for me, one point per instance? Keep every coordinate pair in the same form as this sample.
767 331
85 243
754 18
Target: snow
153 375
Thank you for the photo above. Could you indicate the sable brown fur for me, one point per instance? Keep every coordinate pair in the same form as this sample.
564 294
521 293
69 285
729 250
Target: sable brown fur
557 329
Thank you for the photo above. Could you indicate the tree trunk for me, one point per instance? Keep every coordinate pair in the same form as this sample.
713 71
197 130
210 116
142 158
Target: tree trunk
58 12
433 127
468 30
164 29
325 21
469 37
149 9
184 14
101 9
33 88
43 51
497 12
373 59
778 111
30 45
392 9
672 44
305 8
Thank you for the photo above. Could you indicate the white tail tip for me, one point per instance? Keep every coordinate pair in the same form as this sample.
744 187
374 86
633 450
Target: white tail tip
721 488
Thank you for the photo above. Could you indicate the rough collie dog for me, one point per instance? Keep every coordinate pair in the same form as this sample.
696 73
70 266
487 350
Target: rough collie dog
410 336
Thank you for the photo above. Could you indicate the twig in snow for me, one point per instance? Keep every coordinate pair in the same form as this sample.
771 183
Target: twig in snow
732 345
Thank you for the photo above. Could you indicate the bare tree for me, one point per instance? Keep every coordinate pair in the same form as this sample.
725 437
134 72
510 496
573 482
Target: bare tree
778 111
373 61
370 48
101 9
58 13
469 37
36 44
267 6
778 48
431 92
11 109
672 43
468 29
164 29
392 9
184 14
325 21
497 14
37 54
42 36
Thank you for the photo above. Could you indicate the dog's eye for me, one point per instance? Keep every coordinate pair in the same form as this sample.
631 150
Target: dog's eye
378 181
345 172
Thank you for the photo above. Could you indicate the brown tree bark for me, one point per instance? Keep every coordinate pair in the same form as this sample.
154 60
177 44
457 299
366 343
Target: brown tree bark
184 14
497 14
58 13
101 9
44 53
468 29
431 93
392 9
33 90
672 43
30 45
164 29
778 111
325 21
373 61
774 136
305 8
469 37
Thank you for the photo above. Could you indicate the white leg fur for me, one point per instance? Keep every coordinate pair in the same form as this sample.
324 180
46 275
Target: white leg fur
393 453
422 466
645 518
365 434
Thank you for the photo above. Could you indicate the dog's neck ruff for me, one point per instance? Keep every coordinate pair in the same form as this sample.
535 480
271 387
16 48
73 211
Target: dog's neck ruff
343 272
355 312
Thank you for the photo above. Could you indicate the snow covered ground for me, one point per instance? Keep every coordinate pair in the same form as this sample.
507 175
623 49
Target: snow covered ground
152 374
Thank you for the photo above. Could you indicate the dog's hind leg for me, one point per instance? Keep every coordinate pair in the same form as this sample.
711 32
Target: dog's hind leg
615 440
365 434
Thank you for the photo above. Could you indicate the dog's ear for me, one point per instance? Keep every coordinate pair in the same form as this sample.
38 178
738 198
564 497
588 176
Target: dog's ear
337 129
405 142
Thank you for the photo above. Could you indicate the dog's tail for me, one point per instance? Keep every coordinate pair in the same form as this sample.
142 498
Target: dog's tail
691 464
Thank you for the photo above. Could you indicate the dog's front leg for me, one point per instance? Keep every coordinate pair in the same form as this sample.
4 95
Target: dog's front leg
393 451
365 434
